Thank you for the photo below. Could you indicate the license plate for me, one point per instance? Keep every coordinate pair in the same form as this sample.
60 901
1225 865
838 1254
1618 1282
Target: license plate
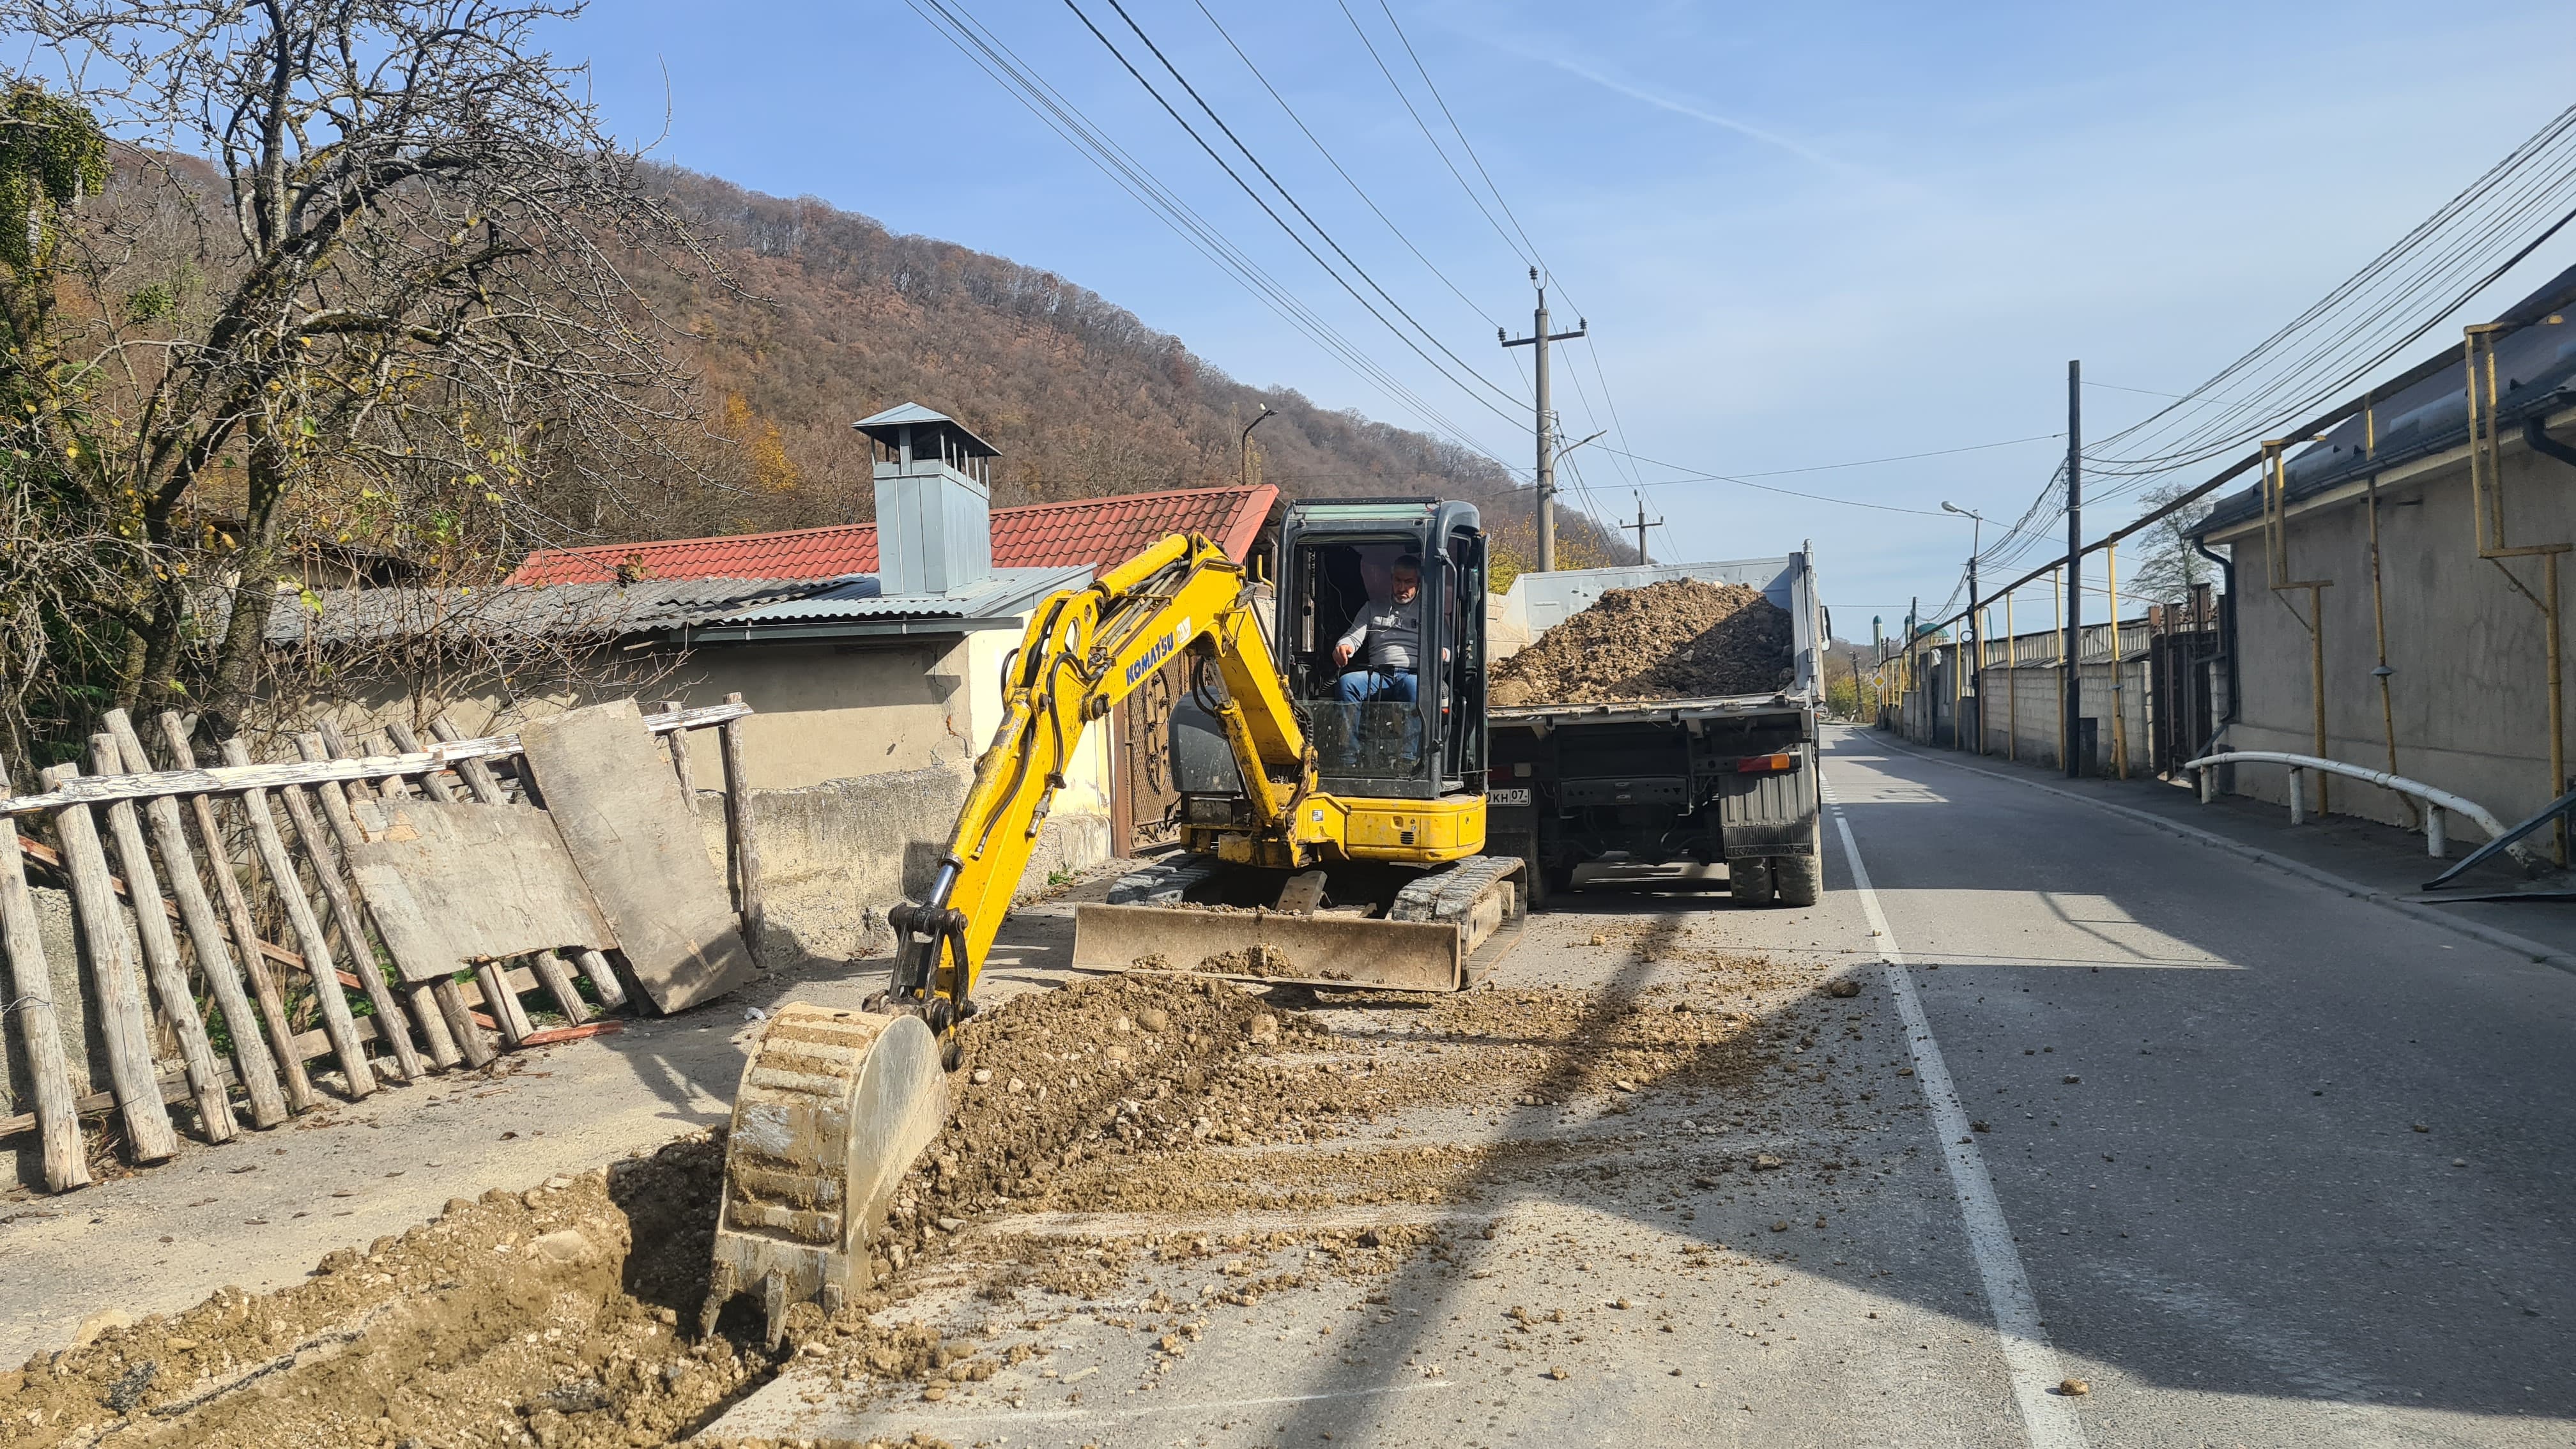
1508 796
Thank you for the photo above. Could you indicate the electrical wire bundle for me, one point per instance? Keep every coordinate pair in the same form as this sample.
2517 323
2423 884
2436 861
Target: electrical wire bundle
2426 276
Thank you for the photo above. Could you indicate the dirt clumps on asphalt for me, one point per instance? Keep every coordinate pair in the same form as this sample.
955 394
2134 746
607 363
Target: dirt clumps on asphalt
550 1314
1678 639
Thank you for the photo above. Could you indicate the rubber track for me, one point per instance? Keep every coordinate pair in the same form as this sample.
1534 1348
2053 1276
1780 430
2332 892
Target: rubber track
1165 884
1450 894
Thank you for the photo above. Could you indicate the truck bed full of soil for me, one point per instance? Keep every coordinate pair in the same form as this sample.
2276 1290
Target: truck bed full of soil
1678 639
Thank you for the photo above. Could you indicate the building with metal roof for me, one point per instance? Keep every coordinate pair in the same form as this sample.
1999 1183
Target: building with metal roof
2393 594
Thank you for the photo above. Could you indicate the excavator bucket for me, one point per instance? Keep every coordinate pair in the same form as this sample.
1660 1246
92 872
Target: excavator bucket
1442 933
833 1109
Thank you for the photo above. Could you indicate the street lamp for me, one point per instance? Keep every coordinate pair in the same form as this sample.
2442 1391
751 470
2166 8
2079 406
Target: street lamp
1976 641
1244 444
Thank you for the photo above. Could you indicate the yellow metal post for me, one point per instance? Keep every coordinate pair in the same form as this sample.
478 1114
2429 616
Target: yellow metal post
2119 683
1958 659
2486 502
2276 565
2012 685
2057 645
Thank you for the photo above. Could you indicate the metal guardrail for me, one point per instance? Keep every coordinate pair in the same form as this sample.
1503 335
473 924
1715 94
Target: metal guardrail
2436 800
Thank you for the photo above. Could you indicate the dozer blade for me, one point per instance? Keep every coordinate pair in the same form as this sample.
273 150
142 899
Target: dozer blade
1262 945
1443 932
834 1106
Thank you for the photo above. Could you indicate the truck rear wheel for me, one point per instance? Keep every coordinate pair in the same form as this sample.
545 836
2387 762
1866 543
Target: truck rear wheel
1748 881
1801 878
1536 882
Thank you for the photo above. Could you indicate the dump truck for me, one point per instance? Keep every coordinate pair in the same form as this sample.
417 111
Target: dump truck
1673 790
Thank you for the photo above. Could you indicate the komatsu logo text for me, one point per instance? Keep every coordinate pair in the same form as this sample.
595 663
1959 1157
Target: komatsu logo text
1153 658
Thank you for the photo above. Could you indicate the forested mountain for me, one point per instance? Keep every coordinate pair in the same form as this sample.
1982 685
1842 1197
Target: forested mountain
830 317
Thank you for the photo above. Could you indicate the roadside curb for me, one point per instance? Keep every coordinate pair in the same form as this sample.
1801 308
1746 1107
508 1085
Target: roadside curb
2522 946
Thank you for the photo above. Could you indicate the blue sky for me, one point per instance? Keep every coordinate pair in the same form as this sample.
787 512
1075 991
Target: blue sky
1801 235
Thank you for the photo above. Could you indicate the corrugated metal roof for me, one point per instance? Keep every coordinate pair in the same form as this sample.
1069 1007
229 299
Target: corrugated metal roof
552 611
2535 366
1006 593
1099 532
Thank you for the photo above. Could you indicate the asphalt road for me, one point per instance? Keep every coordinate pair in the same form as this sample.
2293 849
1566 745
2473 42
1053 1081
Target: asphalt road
2260 1163
2313 1185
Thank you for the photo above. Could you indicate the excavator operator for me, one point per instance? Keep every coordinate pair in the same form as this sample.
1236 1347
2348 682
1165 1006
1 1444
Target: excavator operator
1392 634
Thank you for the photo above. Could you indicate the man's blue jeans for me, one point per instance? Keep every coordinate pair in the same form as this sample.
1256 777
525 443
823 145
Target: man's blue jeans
1377 686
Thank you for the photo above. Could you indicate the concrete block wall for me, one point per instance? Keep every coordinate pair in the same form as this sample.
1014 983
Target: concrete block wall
2469 693
836 856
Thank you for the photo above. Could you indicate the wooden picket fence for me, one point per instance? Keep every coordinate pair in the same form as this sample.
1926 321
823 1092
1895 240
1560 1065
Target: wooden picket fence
127 834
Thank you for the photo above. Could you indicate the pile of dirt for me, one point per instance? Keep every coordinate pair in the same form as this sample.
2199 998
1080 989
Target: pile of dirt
1091 1073
1678 639
555 1315
550 1313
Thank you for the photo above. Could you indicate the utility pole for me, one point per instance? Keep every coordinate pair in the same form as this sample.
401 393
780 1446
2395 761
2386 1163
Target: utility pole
1539 338
2073 689
1643 523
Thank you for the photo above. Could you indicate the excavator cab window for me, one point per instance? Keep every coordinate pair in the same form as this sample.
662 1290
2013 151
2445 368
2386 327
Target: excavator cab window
1367 609
1383 632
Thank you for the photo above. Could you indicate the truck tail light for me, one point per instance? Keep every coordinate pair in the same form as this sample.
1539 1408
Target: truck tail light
1766 764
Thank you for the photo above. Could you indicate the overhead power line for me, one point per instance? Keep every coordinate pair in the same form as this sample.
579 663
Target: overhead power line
1694 476
1338 169
2437 268
1271 212
987 52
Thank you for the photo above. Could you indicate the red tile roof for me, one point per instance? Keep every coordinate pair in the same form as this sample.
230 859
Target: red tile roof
1097 531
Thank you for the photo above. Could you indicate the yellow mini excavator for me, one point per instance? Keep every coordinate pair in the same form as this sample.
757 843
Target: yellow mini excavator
1332 808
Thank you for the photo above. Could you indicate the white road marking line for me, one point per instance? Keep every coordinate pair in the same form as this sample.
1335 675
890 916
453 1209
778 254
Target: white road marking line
2049 1420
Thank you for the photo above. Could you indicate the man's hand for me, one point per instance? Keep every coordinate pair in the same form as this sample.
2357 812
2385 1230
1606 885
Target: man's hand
1341 655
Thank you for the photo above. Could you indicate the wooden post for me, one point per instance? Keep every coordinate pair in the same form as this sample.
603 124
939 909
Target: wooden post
442 1014
390 1021
551 970
678 740
251 1060
739 833
337 1023
300 1096
499 1001
603 978
31 987
161 964
476 774
362 950
114 975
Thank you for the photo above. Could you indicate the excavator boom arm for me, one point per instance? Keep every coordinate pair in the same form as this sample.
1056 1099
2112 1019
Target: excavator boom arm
1085 650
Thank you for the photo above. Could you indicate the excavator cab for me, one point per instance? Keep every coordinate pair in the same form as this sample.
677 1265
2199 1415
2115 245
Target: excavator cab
1400 717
